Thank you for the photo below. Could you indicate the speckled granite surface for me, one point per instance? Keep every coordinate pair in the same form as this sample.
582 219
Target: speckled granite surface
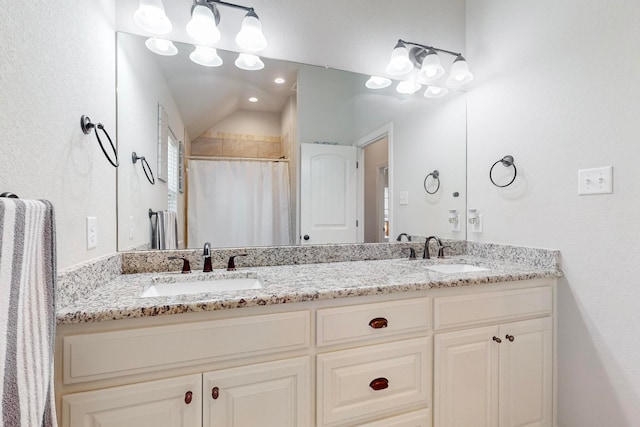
120 298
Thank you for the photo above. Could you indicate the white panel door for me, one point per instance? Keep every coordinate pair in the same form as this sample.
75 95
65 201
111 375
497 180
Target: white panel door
526 373
466 378
175 402
273 394
328 185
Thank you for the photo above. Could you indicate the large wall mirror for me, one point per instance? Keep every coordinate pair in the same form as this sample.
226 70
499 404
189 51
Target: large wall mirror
253 161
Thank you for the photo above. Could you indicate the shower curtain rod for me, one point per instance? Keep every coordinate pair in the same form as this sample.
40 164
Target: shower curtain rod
245 159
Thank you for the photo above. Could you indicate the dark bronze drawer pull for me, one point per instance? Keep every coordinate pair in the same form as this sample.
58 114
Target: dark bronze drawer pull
379 323
379 384
215 393
188 397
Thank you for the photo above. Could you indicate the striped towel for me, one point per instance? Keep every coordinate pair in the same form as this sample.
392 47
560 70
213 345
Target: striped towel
164 235
27 312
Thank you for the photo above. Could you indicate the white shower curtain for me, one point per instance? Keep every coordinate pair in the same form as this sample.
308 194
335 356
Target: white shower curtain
238 203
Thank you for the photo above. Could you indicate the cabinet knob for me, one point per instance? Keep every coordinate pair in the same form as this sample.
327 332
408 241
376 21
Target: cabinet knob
379 384
510 337
215 393
498 340
379 323
188 397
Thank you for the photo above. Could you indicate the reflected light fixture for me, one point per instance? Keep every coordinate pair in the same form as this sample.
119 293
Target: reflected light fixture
426 59
377 82
151 17
161 46
279 80
408 87
249 62
205 56
253 99
435 92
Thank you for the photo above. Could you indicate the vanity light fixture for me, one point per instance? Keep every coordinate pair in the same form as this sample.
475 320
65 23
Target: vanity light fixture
151 17
435 92
206 56
408 87
249 62
161 46
377 82
426 59
205 17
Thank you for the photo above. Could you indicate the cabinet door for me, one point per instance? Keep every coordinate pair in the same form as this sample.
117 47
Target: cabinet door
466 378
273 394
174 402
526 373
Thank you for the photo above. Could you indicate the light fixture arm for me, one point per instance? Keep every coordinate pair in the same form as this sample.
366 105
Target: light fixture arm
427 48
224 3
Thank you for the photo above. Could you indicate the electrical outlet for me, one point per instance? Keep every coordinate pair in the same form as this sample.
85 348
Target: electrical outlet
92 232
131 228
404 198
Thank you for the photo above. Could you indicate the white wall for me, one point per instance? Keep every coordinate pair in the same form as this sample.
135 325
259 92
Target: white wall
58 63
248 122
141 86
557 87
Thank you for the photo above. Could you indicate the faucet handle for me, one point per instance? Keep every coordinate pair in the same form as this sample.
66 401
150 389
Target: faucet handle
231 265
441 250
186 267
412 253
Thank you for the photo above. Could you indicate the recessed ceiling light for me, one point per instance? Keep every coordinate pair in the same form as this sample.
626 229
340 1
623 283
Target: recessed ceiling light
253 99
279 80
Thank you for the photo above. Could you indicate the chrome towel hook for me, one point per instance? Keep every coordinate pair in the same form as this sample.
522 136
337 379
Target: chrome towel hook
436 176
145 167
87 127
507 161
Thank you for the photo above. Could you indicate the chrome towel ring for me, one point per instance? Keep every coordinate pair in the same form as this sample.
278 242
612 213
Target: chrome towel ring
436 176
507 161
145 167
87 127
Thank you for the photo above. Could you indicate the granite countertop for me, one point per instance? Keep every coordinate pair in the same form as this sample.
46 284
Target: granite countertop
120 298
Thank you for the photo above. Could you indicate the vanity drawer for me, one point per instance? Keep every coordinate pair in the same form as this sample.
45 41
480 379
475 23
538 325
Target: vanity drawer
480 308
420 418
373 381
113 354
370 321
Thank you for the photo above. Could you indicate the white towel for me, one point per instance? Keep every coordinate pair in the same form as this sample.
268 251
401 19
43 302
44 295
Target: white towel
165 233
27 313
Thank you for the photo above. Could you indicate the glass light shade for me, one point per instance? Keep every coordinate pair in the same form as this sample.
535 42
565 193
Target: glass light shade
408 87
435 92
460 73
202 26
249 62
399 63
250 36
161 46
431 67
205 56
376 82
150 16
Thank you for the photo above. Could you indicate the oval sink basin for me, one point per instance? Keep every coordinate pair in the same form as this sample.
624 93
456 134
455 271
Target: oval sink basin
455 268
200 287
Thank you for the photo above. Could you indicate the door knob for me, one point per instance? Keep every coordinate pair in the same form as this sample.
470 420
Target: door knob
306 237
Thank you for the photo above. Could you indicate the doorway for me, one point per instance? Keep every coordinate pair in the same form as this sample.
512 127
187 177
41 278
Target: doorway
376 191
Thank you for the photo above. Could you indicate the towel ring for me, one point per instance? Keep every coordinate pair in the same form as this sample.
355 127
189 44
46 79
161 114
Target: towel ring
507 161
9 195
435 175
145 167
87 126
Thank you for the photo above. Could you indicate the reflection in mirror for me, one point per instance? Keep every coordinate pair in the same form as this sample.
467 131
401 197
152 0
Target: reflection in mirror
280 168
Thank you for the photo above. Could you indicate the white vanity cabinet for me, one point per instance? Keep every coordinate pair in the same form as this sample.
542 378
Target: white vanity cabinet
498 375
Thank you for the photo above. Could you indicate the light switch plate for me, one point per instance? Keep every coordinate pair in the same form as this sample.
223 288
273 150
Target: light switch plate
595 181
404 198
92 232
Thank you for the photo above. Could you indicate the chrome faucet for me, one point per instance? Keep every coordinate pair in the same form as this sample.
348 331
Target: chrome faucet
426 247
207 258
